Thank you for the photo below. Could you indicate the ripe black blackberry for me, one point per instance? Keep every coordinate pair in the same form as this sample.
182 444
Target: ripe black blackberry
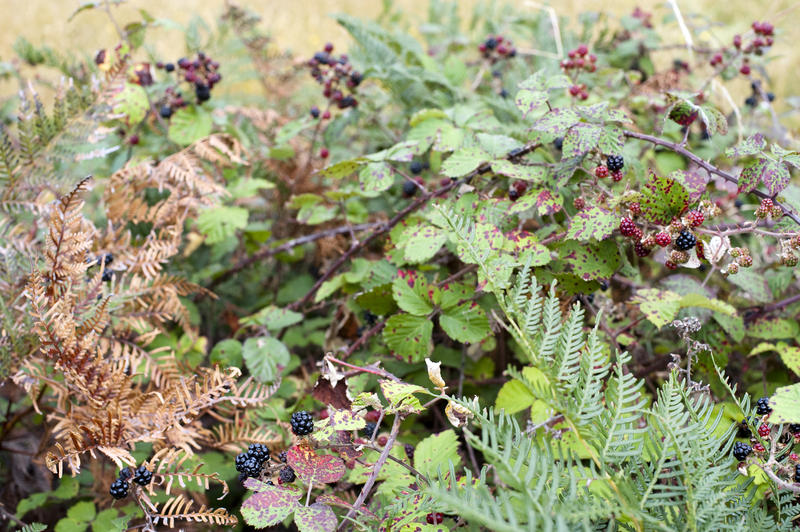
797 473
370 429
107 275
287 475
415 167
282 456
741 450
241 458
409 189
125 473
794 428
302 422
119 489
165 111
615 163
252 467
202 92
142 476
169 67
314 112
762 406
686 240
259 451
743 430
409 449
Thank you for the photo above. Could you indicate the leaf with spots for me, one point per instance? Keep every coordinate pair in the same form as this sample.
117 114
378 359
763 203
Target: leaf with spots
530 101
437 452
409 336
401 395
790 355
773 174
750 146
269 505
557 121
591 261
464 161
662 199
454 293
592 223
342 169
315 518
413 293
312 467
547 202
534 174
344 420
659 306
785 403
423 243
612 139
375 178
713 119
581 138
693 181
465 323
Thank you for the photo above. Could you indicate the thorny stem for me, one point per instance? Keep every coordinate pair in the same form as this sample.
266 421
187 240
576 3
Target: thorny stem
708 167
375 470
375 370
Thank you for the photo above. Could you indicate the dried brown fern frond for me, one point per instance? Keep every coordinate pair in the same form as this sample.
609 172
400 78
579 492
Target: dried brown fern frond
181 509
235 435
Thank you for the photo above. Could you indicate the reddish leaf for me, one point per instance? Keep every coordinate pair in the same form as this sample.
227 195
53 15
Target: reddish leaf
269 505
335 397
312 467
315 518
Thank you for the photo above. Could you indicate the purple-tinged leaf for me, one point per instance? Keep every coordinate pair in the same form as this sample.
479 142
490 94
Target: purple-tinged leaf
269 505
312 467
315 518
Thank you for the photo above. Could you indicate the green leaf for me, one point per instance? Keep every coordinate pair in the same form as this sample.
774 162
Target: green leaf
713 119
227 353
591 261
790 355
341 169
248 187
317 517
773 174
409 336
785 403
189 124
662 199
435 453
465 323
269 505
264 356
411 294
464 161
592 223
423 243
82 511
514 397
273 318
375 178
68 524
221 223
535 174
557 121
131 101
774 329
581 138
454 293
658 306
530 101
750 146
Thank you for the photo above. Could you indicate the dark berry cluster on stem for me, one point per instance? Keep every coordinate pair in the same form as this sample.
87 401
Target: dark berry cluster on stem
142 476
286 475
337 77
762 406
685 241
741 450
496 48
200 71
302 423
615 163
250 463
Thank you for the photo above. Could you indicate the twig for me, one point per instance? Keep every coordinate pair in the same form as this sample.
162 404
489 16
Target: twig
375 329
376 469
288 245
374 369
708 167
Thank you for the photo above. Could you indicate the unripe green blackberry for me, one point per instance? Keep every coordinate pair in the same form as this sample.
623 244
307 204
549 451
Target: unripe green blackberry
776 212
789 259
679 257
733 269
745 261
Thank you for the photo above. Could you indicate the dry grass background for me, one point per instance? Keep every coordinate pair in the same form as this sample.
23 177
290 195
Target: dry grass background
304 26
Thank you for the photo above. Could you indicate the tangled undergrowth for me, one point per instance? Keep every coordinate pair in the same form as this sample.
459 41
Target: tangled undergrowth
506 277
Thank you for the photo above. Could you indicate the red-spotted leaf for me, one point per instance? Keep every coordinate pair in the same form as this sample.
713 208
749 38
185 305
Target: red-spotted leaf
592 223
750 146
409 336
269 505
401 396
581 138
693 181
312 467
344 420
547 202
773 174
663 199
466 323
315 518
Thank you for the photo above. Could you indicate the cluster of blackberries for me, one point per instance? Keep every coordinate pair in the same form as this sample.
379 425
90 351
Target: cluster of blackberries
613 167
615 163
496 47
302 423
741 450
119 488
755 96
250 463
762 406
580 59
103 260
337 77
201 72
685 241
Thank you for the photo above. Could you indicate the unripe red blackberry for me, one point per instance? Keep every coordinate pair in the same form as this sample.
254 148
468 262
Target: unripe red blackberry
640 249
617 176
579 203
663 239
627 227
764 430
601 171
671 265
323 153
434 518
635 207
757 447
637 235
695 218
